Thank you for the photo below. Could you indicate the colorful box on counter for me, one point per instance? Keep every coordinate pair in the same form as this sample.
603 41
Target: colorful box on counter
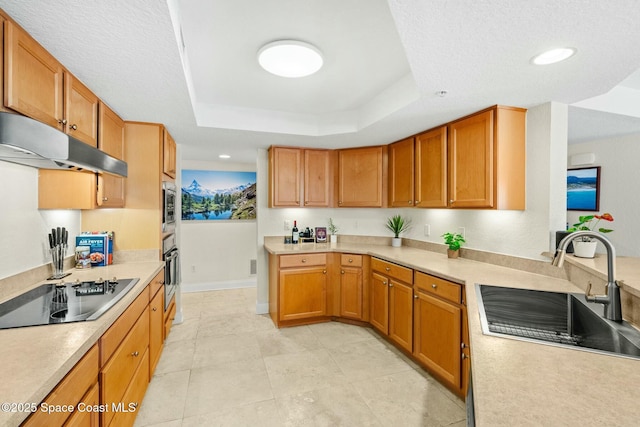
100 244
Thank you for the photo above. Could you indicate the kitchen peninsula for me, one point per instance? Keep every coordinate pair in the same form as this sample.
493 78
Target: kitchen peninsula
516 382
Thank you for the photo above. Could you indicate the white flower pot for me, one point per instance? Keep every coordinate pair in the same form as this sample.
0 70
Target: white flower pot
584 249
396 242
333 238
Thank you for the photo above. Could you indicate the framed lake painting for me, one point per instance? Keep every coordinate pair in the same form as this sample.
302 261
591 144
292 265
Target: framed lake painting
583 189
218 195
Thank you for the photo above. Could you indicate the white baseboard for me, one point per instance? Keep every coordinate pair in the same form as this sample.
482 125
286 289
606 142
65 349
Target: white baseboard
216 286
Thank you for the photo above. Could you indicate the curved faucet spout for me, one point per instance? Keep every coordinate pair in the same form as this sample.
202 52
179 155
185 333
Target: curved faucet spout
612 301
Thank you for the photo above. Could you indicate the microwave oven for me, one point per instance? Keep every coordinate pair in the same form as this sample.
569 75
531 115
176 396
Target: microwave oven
168 207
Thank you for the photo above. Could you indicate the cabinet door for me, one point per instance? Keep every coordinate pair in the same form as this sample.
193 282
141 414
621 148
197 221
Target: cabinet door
317 178
431 169
156 329
471 173
361 177
351 302
111 141
401 314
438 337
303 293
401 173
284 177
61 189
80 111
169 155
33 78
379 316
87 418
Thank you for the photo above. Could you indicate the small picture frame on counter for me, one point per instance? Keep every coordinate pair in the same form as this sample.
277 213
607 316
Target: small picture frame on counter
321 234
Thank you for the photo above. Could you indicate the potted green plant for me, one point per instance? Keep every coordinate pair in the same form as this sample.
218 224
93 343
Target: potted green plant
397 224
585 247
454 241
333 229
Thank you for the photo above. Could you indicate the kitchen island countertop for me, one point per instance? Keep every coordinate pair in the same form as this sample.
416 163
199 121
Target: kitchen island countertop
517 382
34 359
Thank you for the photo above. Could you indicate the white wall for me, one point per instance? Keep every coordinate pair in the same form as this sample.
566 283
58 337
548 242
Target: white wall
216 254
618 159
519 233
23 228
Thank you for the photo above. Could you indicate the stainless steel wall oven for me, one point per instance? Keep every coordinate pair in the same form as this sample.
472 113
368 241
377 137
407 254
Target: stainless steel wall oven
169 195
171 259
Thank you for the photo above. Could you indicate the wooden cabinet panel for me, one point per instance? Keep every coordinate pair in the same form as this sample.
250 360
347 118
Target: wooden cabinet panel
169 317
111 141
317 178
379 316
156 329
285 175
401 173
438 326
431 169
80 111
132 399
401 314
33 78
156 283
302 293
351 292
69 391
351 260
60 189
392 270
87 418
117 374
169 155
362 177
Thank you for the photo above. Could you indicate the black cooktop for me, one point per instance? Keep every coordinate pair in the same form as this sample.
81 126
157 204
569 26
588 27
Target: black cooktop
63 302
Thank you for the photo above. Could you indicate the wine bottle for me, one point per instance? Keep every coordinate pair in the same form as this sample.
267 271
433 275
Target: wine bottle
295 234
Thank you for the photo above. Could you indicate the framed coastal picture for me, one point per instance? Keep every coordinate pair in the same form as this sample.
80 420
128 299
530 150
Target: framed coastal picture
583 189
209 195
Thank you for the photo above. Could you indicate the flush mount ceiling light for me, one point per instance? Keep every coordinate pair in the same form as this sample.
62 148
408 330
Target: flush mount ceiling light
290 58
224 156
554 55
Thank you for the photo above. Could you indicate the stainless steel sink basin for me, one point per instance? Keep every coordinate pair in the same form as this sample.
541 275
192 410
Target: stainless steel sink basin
554 318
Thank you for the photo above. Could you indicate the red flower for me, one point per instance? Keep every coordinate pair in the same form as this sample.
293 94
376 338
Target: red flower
606 216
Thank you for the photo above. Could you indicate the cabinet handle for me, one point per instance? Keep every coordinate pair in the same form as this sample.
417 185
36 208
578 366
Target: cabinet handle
434 286
391 285
74 127
450 201
135 354
62 122
350 260
387 268
463 345
415 296
339 202
409 201
306 202
464 356
417 202
304 260
341 271
104 199
324 271
155 309
384 283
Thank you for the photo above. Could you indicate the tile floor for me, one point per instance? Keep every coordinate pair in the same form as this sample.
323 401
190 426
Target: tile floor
226 366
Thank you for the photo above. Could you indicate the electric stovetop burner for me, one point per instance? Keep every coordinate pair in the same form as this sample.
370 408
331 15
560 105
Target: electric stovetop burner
63 302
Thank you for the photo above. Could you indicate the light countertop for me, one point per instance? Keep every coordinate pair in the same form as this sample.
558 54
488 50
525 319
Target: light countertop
517 382
34 359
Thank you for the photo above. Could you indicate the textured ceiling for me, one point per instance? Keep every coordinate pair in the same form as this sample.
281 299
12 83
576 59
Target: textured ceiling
129 53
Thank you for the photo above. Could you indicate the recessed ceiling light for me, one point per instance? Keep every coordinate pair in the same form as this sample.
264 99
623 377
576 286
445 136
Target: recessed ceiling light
554 55
290 58
224 156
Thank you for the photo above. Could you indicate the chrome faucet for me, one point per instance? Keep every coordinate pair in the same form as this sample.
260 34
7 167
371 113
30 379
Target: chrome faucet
611 300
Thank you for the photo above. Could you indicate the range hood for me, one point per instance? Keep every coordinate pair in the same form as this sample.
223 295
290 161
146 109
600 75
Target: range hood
29 142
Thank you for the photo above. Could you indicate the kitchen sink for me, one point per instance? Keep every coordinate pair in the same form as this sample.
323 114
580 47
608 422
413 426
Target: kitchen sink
554 318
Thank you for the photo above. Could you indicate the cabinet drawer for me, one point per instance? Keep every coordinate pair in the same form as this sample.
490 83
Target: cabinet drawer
170 315
351 260
156 284
436 286
302 260
128 408
69 391
395 271
116 333
117 374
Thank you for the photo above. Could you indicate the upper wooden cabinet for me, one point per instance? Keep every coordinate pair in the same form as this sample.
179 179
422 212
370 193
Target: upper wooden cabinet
362 177
401 173
169 155
300 177
487 159
38 86
33 81
111 141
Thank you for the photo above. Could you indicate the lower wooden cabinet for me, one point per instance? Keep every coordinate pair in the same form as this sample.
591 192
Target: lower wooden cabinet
353 290
156 329
88 417
169 316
